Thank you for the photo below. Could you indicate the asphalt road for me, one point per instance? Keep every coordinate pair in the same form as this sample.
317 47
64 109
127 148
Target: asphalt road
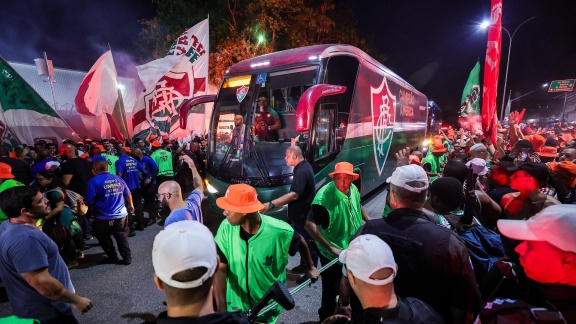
127 294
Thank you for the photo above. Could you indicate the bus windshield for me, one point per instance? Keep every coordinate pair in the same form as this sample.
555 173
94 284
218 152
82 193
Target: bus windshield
254 121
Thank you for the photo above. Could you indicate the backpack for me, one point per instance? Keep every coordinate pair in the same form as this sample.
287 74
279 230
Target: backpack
74 201
484 247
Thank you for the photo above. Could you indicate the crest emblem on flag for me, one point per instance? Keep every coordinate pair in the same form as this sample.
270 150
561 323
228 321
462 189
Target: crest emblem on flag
241 93
168 94
383 118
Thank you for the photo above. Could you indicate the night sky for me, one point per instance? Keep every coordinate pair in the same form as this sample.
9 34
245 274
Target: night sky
432 44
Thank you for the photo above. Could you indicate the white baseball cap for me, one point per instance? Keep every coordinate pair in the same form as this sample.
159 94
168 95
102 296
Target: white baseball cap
555 224
367 254
182 246
408 173
478 166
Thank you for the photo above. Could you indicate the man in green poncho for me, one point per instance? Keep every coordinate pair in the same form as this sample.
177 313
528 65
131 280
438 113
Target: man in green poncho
6 182
336 215
253 250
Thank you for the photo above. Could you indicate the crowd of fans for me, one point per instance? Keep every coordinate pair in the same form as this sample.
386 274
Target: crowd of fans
472 230
61 171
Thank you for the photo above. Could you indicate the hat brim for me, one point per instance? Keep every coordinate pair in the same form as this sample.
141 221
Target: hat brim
222 203
7 176
516 229
439 150
356 175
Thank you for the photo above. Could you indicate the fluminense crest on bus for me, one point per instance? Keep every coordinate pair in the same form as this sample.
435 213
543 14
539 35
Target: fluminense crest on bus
241 93
383 118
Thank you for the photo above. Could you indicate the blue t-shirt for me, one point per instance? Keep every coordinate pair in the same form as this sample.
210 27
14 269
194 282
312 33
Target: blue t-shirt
106 192
25 248
190 212
130 168
150 166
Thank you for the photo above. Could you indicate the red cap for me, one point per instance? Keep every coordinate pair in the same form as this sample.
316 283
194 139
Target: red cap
156 144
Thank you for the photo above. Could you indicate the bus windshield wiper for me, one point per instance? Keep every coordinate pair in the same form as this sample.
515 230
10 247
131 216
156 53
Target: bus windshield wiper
256 157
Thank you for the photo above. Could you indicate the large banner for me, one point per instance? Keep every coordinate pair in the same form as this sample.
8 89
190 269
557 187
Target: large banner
169 81
25 115
491 69
99 102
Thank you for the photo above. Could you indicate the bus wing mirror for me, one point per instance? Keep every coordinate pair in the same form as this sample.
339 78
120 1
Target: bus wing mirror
305 108
191 103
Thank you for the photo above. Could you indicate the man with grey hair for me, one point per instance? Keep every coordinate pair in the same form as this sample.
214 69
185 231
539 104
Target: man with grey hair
479 151
434 260
299 200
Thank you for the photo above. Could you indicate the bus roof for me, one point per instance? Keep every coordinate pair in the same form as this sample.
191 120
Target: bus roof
302 55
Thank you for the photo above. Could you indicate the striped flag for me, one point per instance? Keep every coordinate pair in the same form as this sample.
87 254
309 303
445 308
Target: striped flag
171 80
24 113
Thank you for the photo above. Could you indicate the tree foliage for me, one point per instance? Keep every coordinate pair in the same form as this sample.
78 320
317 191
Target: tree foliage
242 29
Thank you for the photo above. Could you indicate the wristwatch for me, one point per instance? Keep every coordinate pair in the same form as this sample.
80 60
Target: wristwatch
271 205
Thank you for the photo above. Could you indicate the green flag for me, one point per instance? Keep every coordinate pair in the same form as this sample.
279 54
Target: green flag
470 103
25 113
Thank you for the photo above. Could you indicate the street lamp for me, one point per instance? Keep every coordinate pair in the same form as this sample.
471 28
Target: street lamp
508 106
545 85
486 24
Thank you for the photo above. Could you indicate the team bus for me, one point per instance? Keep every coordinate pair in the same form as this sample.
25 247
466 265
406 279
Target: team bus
334 101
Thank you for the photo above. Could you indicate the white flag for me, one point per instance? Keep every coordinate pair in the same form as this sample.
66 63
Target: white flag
172 80
195 37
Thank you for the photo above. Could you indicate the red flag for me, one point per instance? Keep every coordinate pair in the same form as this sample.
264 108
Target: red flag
114 130
491 69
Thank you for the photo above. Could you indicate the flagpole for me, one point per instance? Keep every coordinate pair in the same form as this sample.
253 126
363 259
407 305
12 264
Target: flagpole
206 88
51 81
120 98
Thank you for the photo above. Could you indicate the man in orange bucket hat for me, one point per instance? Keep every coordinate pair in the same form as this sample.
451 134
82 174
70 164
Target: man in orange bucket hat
336 215
255 247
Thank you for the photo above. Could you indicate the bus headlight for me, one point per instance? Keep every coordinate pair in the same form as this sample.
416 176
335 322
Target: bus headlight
210 188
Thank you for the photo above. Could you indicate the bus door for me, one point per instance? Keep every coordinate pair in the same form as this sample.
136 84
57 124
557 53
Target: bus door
333 112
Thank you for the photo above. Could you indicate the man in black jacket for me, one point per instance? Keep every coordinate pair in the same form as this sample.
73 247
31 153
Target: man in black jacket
370 268
434 261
